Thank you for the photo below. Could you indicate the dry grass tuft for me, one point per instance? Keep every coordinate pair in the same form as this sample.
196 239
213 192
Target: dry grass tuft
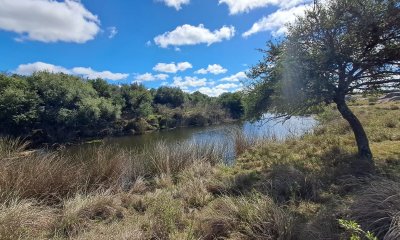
25 220
290 184
106 167
377 208
253 217
192 185
114 232
394 230
172 159
390 123
394 107
324 225
241 141
44 176
164 215
81 212
11 147
139 186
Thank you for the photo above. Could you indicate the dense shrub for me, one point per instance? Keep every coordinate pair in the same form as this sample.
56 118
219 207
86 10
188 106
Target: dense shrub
56 107
173 97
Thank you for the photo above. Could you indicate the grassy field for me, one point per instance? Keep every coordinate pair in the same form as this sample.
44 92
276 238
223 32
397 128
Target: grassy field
294 189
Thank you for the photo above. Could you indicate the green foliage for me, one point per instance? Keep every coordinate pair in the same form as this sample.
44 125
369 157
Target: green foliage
57 107
55 103
138 100
339 47
233 103
141 126
355 230
108 91
197 120
173 97
198 97
19 107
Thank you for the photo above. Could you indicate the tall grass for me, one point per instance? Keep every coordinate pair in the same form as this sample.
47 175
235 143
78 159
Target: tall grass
53 193
173 158
52 176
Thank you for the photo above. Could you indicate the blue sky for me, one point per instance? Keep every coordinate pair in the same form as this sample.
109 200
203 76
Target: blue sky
204 45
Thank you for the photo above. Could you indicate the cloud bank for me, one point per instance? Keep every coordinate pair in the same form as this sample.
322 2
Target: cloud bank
172 67
48 20
244 6
150 77
28 69
276 22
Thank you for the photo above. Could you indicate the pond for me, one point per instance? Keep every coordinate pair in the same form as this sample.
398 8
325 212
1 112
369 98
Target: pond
217 134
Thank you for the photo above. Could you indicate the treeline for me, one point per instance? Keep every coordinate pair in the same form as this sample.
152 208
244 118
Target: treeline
55 108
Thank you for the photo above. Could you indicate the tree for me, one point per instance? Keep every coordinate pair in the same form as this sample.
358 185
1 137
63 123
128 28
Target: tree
18 105
108 91
338 48
69 103
138 100
233 103
171 96
198 97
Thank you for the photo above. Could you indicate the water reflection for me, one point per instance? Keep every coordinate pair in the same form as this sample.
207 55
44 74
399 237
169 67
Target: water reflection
217 135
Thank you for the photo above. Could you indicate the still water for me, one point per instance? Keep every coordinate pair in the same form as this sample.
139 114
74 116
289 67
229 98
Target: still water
218 134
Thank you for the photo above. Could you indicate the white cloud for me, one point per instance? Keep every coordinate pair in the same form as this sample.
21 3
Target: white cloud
214 69
213 92
48 20
241 6
220 89
187 82
192 35
150 77
226 86
235 78
28 69
92 74
172 67
112 31
177 4
276 21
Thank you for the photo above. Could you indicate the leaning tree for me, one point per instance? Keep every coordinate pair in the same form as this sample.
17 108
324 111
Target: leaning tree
337 48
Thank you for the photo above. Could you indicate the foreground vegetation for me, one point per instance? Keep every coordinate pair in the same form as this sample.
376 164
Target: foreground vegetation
298 188
57 108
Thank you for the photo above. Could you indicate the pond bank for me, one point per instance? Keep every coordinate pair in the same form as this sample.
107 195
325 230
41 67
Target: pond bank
295 188
220 135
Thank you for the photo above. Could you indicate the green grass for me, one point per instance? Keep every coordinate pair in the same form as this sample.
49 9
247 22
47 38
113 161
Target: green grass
298 188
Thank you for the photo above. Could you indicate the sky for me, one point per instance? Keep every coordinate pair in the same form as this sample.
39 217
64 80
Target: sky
197 45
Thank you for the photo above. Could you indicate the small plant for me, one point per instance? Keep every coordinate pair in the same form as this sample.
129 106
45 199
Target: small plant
390 123
355 230
372 99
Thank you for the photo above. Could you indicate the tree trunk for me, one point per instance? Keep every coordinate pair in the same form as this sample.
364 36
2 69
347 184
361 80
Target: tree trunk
364 150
